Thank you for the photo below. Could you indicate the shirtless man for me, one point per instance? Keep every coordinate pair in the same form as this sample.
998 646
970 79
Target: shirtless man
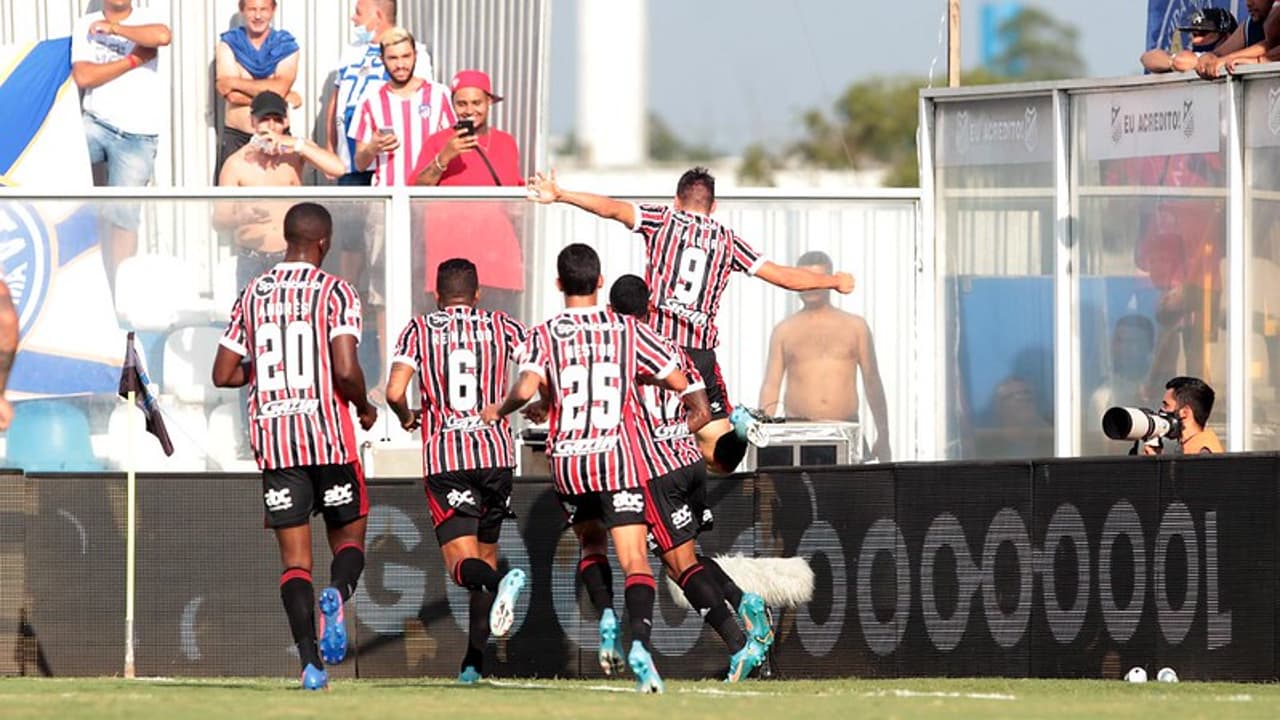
249 60
822 375
271 159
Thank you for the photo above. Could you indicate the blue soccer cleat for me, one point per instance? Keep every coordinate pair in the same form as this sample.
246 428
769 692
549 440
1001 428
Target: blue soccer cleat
647 678
313 678
469 675
746 425
610 655
503 614
755 617
745 660
333 627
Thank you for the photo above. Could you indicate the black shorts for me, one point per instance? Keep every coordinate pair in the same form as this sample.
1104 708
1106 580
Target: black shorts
676 507
613 508
704 361
291 496
469 502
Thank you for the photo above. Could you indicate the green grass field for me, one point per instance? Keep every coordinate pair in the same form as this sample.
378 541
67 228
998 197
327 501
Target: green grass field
384 700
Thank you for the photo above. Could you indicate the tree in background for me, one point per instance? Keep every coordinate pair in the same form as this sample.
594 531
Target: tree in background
874 122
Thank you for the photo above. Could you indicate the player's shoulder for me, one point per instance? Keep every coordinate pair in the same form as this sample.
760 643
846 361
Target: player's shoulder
145 16
85 20
351 59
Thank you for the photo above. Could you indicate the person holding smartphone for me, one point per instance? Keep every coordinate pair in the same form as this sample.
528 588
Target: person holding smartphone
474 154
394 121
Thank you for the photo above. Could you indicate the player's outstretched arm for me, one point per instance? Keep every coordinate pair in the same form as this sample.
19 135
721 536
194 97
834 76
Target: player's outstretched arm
229 370
543 189
348 378
794 278
521 392
397 384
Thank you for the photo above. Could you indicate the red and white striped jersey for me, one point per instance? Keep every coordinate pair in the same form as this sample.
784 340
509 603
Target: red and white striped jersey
283 323
464 359
590 359
689 258
413 119
666 445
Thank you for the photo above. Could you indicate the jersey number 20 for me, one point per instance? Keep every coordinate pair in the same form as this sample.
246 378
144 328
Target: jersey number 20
288 357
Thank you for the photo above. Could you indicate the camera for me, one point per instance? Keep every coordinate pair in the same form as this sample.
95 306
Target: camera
1129 423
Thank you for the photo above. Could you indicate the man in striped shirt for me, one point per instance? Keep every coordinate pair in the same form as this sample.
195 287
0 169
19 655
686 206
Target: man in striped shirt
292 339
587 361
464 357
676 505
689 260
362 72
393 123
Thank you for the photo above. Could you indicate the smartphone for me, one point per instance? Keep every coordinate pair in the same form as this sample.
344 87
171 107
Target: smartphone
387 130
465 126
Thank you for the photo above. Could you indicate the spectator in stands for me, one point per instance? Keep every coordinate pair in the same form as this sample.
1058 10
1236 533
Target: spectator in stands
1250 43
474 154
1208 27
1191 400
394 121
114 61
251 59
8 349
820 351
361 72
272 158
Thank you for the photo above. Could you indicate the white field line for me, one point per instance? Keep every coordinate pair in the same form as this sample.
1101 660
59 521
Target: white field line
918 694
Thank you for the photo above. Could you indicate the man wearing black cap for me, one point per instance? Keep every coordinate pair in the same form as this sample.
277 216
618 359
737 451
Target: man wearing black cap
272 158
1208 27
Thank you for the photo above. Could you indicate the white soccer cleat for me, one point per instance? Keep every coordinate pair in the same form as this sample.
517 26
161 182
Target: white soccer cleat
1136 675
503 614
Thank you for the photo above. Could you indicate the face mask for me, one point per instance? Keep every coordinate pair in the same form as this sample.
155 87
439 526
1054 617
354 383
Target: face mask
362 36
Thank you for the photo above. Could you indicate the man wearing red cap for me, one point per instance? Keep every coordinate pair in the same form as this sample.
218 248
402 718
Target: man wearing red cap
473 154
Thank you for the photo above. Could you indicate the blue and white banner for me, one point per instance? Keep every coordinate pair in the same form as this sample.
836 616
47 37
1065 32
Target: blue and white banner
1163 17
70 339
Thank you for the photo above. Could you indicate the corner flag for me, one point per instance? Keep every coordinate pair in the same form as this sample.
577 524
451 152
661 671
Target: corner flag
133 377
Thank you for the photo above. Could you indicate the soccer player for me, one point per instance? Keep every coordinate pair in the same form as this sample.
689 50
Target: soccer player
463 356
689 259
589 360
292 339
676 505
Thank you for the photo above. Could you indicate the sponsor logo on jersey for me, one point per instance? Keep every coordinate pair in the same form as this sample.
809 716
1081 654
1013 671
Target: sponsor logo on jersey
675 308
288 406
589 446
466 423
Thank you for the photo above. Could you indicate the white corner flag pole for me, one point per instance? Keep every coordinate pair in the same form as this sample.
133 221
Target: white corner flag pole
131 536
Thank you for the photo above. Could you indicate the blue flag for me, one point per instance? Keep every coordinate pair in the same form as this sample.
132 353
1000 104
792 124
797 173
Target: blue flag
69 336
1163 17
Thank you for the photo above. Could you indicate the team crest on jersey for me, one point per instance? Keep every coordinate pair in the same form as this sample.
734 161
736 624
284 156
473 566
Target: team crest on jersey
438 320
26 257
424 110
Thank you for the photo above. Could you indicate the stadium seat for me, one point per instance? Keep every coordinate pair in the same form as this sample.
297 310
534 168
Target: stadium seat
188 364
187 428
50 436
156 292
225 289
226 433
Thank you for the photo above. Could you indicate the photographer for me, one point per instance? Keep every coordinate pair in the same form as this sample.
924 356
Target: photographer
1189 400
